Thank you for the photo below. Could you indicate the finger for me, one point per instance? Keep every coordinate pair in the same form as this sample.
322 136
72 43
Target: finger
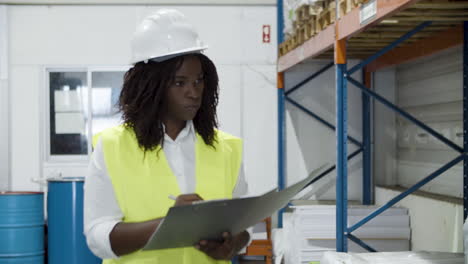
181 201
190 197
228 245
218 249
201 245
186 199
209 246
227 237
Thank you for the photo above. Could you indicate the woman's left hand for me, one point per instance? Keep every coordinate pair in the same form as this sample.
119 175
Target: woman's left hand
225 249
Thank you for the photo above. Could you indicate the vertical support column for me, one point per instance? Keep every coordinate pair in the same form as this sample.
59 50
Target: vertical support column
281 141
281 112
280 26
366 142
465 118
341 147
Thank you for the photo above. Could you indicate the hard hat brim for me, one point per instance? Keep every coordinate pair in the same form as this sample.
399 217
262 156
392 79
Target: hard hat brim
167 56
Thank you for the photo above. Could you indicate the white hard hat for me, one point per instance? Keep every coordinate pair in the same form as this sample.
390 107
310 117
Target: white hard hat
164 35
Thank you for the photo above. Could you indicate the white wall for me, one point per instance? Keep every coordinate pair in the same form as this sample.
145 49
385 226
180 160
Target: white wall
384 125
4 102
435 225
139 2
431 90
47 36
310 144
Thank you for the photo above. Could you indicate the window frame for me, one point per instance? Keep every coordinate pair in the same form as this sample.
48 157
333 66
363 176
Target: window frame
72 159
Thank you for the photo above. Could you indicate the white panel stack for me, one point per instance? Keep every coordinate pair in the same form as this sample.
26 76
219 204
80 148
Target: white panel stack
311 230
408 257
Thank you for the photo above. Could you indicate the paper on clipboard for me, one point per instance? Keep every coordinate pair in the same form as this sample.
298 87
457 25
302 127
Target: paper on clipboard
184 226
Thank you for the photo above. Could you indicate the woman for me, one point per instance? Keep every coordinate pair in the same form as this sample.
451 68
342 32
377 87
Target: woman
167 146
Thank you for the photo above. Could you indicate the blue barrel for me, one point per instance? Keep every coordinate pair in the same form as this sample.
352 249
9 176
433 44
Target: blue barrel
66 241
21 228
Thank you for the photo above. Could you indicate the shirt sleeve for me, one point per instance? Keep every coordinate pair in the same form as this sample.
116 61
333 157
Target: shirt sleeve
101 210
241 190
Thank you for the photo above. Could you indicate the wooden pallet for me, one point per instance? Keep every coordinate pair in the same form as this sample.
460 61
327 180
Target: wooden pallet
325 17
305 32
311 19
347 5
288 45
327 14
282 49
303 13
306 12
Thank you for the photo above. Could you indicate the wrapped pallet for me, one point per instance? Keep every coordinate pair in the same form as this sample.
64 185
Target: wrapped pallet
407 257
290 8
311 230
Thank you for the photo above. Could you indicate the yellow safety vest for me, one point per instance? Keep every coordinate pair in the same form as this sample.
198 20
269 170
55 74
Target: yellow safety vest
143 182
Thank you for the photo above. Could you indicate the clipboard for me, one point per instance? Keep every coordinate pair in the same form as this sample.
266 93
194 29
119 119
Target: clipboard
186 225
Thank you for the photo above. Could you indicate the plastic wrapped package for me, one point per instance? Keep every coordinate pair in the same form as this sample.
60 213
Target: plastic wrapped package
290 247
289 14
310 230
465 232
277 237
289 6
407 257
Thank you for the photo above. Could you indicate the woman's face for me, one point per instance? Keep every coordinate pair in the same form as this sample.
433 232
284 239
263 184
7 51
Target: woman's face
184 95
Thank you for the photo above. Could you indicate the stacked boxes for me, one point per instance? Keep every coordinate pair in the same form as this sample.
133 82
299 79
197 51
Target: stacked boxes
311 230
305 18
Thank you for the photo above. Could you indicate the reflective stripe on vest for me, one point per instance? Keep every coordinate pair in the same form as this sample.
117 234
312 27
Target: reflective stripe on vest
143 181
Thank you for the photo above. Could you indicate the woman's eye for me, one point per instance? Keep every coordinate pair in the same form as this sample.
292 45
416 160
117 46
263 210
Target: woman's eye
198 81
179 83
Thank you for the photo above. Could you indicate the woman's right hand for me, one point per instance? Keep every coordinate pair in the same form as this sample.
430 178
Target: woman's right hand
185 199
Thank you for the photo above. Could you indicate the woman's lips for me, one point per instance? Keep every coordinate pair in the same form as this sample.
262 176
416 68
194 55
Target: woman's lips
192 107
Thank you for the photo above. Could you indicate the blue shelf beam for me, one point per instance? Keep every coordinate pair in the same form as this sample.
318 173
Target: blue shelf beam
465 117
361 243
406 115
407 192
389 47
321 120
310 78
281 111
280 25
281 149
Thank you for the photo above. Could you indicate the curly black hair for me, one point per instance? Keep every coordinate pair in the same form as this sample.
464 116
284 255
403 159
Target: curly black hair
143 93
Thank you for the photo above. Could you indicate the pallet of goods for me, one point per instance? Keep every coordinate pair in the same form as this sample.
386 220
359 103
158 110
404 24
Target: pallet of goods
309 17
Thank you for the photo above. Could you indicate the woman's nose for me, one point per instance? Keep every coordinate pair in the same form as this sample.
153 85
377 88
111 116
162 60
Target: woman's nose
194 90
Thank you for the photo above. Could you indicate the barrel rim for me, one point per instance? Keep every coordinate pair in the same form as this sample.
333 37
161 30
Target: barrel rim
19 193
27 254
67 179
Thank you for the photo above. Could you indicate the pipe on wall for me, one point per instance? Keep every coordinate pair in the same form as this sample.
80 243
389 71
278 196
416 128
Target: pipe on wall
5 181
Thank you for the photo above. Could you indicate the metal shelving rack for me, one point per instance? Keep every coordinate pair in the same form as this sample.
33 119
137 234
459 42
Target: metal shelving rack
380 42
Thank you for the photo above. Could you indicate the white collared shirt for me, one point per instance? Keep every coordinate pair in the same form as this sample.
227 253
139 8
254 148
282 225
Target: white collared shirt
101 210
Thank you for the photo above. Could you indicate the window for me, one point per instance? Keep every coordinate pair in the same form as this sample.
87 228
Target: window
77 112
68 104
106 87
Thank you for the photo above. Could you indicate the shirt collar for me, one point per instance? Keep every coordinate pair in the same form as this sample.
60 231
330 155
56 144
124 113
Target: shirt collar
187 132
